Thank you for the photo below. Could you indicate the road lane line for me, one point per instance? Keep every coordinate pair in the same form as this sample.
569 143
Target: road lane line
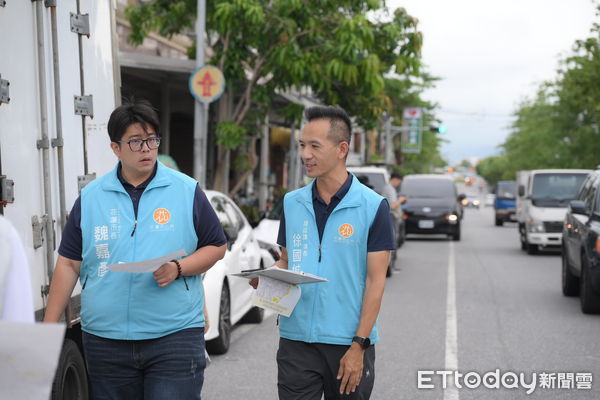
451 363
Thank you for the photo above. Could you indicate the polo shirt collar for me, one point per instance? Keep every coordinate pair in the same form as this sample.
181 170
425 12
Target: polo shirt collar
342 191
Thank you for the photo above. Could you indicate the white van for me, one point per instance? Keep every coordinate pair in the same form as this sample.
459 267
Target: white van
53 137
544 196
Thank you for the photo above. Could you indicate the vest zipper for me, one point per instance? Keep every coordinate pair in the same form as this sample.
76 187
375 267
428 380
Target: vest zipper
186 285
134 227
319 252
85 282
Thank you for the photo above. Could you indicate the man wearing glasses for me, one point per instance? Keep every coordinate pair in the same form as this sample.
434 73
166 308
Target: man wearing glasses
143 334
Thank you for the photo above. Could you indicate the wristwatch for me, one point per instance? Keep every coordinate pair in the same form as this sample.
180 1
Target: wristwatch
364 342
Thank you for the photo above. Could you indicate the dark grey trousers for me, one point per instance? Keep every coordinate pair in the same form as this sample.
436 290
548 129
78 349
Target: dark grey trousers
307 371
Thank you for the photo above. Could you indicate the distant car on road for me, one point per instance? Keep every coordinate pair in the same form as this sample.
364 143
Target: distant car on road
471 201
433 205
581 246
505 203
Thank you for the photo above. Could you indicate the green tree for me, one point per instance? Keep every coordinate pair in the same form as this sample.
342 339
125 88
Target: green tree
264 46
560 127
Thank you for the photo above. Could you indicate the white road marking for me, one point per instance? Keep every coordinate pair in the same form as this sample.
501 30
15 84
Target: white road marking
451 363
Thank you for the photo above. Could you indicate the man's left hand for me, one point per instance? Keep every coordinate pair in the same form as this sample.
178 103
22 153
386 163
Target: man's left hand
351 369
166 274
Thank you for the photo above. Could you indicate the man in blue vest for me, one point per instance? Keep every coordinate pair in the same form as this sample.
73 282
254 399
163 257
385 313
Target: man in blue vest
143 333
341 230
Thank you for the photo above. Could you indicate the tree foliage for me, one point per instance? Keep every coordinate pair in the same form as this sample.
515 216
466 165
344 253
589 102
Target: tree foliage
341 50
560 127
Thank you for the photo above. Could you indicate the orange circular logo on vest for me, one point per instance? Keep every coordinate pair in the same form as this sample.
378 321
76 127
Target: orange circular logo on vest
161 216
346 230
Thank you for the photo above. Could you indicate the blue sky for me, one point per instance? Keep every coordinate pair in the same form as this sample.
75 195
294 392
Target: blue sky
492 54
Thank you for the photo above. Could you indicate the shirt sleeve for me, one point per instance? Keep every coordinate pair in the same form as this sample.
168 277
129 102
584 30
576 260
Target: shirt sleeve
381 233
18 304
71 243
206 223
281 235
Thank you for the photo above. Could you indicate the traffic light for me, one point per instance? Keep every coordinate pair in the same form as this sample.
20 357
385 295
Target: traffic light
438 129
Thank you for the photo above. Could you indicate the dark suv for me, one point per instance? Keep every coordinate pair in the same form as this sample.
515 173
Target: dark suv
581 246
432 206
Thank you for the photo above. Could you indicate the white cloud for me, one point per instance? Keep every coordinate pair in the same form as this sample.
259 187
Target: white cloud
491 54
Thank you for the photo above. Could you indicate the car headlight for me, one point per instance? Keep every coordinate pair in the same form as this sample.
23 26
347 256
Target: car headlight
535 226
452 218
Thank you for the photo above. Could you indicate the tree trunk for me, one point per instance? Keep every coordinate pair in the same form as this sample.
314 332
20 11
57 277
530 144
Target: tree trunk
222 169
253 160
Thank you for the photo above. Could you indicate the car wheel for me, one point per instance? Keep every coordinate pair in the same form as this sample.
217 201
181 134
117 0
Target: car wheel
220 344
531 248
254 316
570 283
523 238
589 298
456 234
499 221
70 380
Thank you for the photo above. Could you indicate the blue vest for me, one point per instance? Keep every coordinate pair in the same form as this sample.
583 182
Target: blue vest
131 306
329 312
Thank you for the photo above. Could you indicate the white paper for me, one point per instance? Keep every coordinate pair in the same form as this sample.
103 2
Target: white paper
284 275
147 265
276 295
28 359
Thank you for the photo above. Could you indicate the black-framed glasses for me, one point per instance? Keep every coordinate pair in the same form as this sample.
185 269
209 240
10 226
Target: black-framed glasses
137 144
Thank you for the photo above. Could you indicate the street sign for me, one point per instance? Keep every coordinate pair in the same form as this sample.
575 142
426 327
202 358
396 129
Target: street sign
413 132
207 84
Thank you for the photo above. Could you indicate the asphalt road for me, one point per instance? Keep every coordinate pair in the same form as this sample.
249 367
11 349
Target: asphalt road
478 305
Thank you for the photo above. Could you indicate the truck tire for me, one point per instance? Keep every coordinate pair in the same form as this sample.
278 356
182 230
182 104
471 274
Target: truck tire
220 344
70 381
589 298
570 283
499 221
531 248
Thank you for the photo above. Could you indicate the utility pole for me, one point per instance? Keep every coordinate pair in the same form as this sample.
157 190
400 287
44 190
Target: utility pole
200 108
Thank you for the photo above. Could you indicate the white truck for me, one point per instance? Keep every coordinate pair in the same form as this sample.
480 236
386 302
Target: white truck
542 201
58 86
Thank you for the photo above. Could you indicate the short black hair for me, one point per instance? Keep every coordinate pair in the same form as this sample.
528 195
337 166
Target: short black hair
132 112
340 126
396 175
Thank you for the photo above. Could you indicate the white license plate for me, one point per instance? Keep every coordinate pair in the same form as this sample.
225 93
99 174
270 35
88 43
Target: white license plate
426 224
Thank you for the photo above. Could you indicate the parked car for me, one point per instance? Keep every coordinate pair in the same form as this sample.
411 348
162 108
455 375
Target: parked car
581 246
433 205
505 203
229 298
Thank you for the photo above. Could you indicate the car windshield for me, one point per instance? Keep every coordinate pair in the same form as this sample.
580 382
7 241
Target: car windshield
373 179
506 190
555 190
428 188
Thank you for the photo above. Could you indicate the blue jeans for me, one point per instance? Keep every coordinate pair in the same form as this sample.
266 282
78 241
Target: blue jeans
169 367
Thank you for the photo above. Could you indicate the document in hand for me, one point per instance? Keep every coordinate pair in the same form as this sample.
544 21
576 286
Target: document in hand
278 288
146 265
283 275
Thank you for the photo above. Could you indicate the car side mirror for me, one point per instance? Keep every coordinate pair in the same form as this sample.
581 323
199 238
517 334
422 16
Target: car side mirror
521 190
231 234
578 207
461 197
